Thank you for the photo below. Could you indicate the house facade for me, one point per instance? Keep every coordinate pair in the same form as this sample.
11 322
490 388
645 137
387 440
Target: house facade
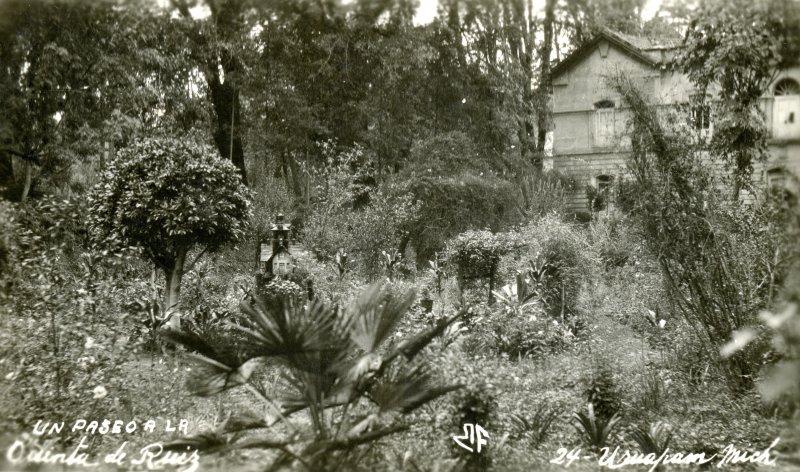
591 125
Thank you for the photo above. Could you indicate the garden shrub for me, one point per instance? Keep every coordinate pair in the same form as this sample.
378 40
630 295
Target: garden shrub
169 196
475 255
545 192
454 204
278 288
527 336
782 379
612 242
566 251
529 333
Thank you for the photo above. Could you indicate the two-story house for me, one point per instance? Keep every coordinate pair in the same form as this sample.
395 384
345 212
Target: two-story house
590 141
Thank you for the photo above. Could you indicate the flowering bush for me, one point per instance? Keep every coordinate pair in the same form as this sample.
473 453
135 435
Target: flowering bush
279 288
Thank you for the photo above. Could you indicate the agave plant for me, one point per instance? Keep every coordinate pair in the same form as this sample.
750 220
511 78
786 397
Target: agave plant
653 440
535 427
517 296
347 383
594 430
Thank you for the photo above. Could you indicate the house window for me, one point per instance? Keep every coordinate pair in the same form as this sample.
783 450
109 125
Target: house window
604 118
701 117
786 87
786 110
776 178
778 186
601 196
604 183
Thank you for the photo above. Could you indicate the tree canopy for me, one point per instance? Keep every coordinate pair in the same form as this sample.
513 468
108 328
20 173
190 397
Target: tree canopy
168 196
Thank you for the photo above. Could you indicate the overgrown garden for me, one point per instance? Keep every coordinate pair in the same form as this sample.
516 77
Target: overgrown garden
442 280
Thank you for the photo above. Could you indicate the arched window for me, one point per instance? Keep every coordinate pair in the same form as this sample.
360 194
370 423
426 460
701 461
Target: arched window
786 87
786 110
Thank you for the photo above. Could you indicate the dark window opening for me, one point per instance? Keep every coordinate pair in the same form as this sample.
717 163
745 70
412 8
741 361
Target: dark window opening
701 117
604 104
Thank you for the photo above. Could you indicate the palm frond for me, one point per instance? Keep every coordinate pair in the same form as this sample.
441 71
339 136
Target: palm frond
375 315
209 377
317 385
407 389
286 330
192 340
413 346
243 421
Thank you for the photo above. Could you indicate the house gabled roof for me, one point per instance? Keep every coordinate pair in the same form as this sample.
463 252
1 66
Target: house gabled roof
641 49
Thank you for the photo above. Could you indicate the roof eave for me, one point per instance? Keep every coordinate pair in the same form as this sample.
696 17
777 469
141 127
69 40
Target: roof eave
582 51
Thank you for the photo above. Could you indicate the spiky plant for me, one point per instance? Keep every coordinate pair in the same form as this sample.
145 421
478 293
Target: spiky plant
535 427
348 384
653 440
602 391
594 430
518 296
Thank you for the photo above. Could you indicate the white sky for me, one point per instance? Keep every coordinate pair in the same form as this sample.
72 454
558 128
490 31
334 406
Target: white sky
427 10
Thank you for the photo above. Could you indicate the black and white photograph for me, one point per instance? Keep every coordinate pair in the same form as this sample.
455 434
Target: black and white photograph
399 235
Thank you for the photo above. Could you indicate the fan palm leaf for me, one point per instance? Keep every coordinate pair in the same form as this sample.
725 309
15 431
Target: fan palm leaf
209 377
288 331
406 389
412 347
376 314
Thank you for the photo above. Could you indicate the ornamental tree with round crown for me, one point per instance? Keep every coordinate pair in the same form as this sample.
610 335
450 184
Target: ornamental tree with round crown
169 196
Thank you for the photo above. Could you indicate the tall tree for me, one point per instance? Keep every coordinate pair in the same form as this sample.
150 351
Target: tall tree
220 42
51 85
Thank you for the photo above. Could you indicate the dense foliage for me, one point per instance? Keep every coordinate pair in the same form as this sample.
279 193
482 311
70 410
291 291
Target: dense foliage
718 257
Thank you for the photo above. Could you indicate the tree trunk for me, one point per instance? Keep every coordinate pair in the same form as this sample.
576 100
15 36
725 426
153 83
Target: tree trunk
297 182
28 178
174 275
545 85
228 136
